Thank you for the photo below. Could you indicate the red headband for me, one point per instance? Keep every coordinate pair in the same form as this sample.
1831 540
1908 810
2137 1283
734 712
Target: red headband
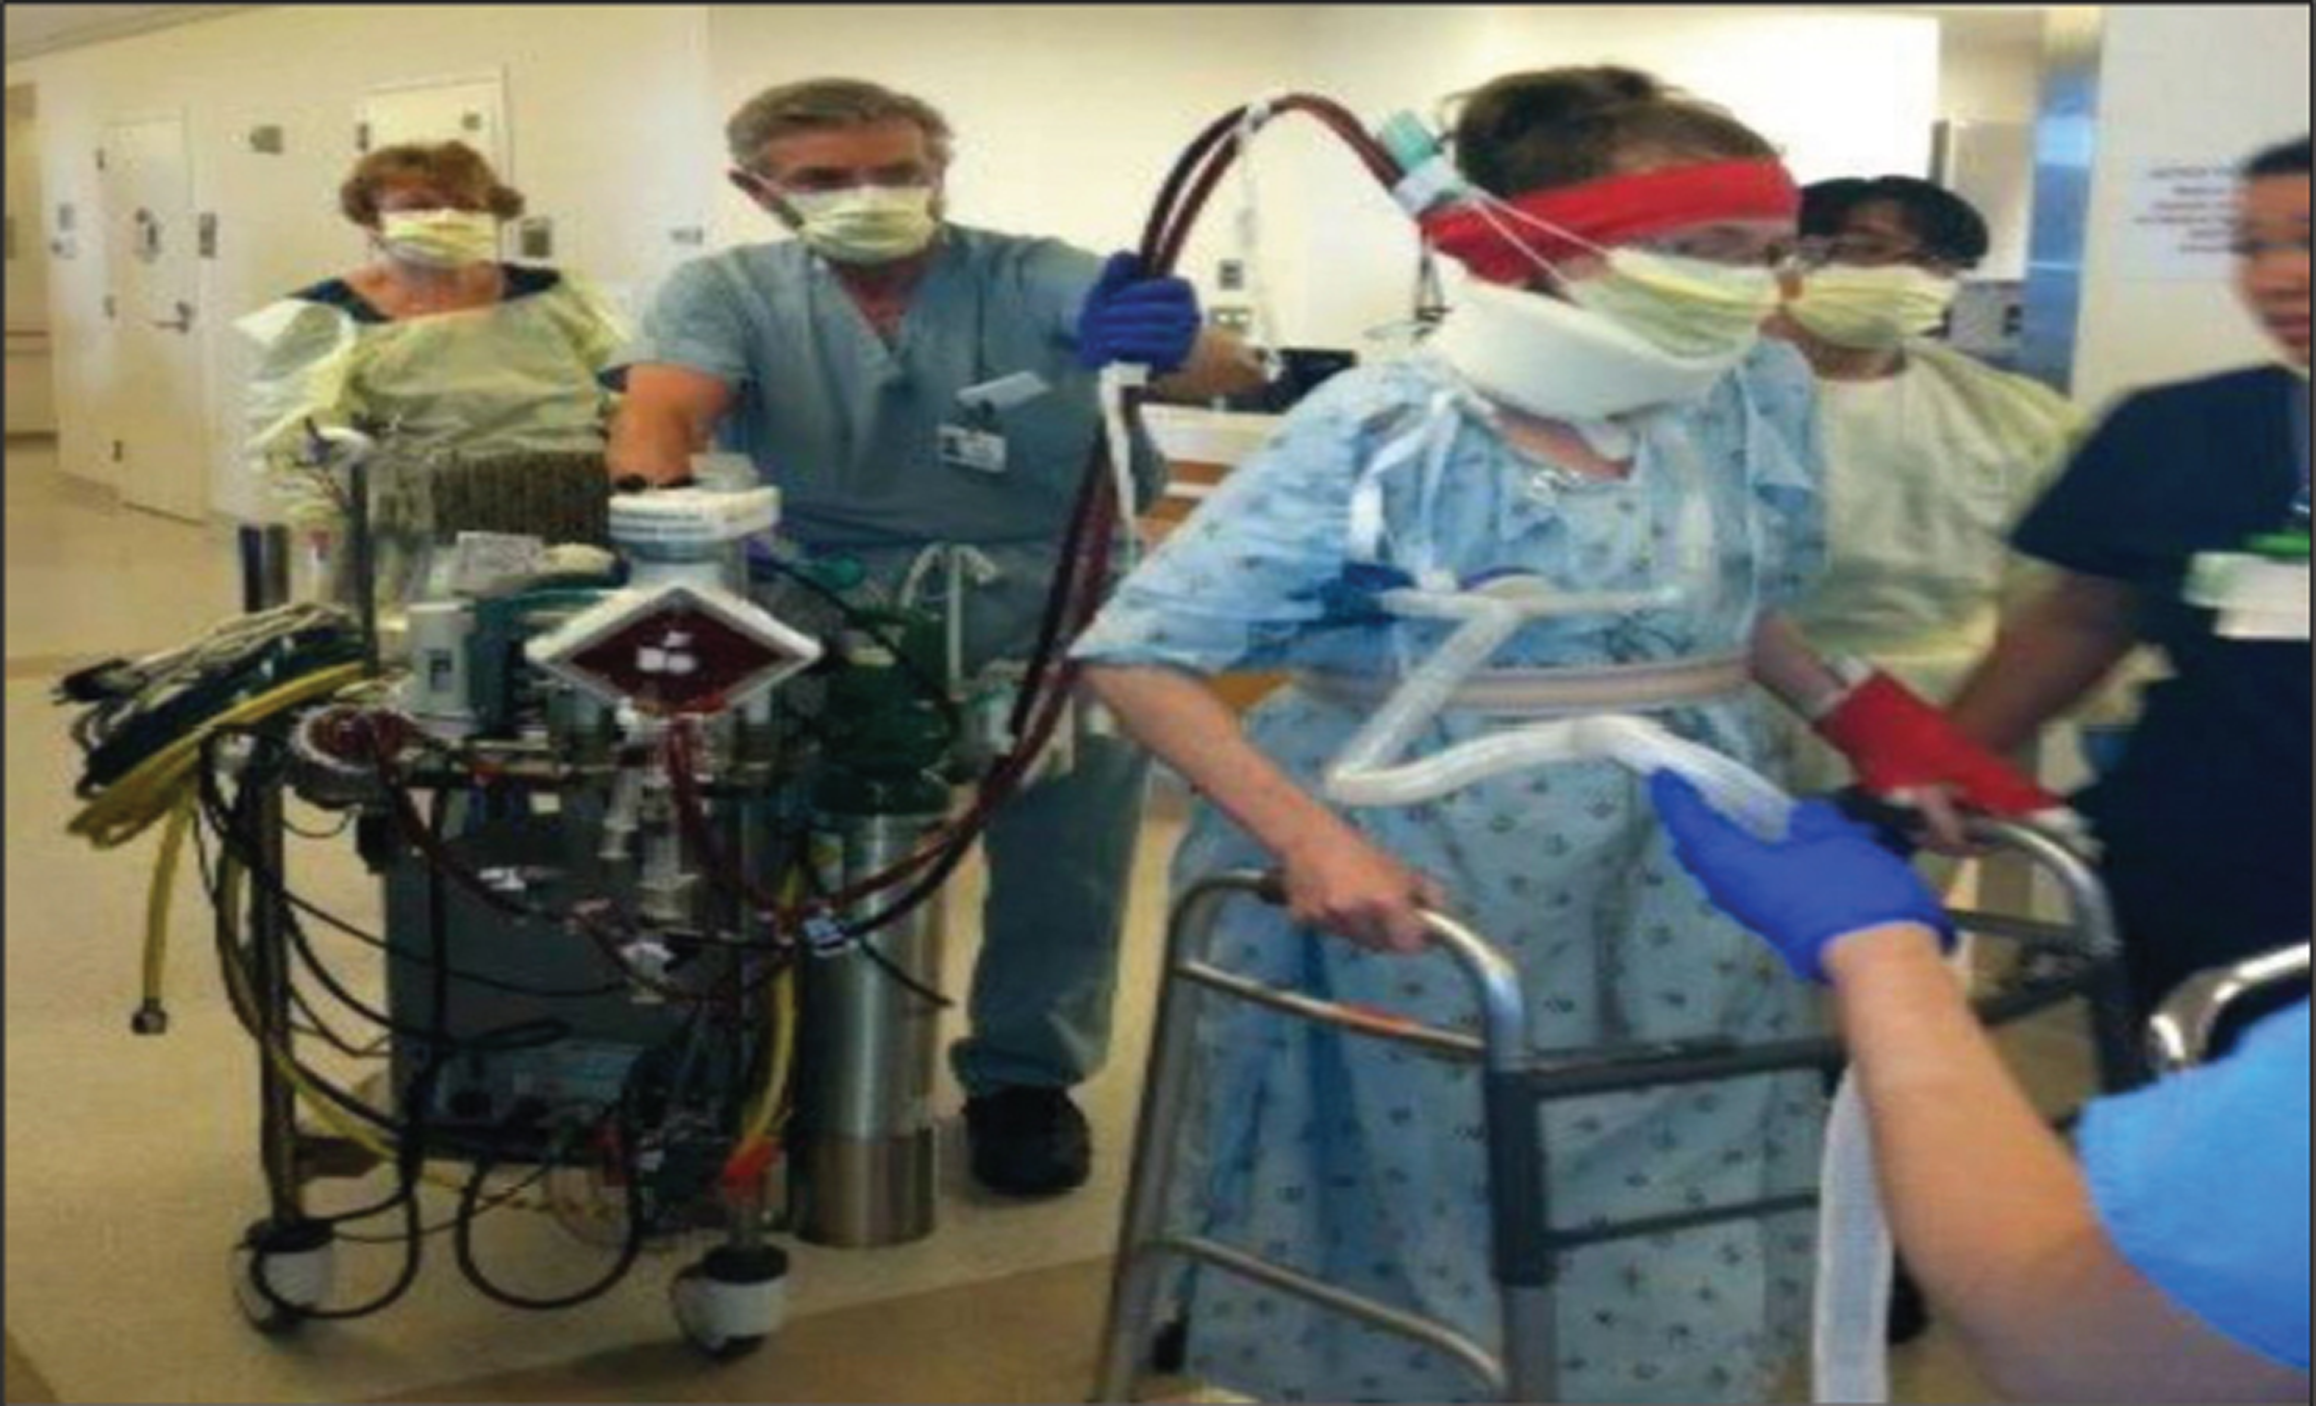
1608 212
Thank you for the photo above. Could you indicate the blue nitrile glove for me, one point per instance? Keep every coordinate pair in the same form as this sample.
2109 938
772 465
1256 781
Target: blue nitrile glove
1826 880
1150 321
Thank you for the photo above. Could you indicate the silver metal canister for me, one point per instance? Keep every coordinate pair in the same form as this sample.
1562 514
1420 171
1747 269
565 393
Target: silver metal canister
865 1168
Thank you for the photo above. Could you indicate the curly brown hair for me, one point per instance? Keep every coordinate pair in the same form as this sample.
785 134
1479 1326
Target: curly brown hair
449 166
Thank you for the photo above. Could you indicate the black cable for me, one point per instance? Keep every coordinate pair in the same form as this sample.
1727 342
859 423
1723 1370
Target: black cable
412 1137
549 1031
345 823
631 1244
892 969
498 1201
530 1034
866 942
409 1161
211 802
315 1027
933 689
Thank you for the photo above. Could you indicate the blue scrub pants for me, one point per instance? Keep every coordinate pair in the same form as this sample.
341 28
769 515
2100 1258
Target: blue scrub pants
1061 861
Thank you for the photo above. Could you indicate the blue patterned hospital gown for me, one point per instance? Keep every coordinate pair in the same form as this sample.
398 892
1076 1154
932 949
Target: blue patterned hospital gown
1363 1165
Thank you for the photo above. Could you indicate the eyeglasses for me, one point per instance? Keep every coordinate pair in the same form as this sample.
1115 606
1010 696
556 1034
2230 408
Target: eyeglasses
1863 251
1736 250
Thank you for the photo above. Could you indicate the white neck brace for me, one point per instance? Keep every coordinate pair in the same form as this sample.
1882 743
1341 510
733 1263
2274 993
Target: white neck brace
1558 361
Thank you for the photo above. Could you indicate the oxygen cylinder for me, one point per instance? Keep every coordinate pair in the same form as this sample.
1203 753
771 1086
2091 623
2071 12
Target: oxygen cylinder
864 1164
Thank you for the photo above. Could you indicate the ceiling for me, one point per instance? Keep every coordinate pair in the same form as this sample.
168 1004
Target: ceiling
40 29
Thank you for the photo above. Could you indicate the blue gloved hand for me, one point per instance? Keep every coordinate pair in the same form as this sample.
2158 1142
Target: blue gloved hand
1150 321
1826 880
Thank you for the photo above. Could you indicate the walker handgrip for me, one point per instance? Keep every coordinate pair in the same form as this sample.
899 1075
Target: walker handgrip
2184 1031
1495 981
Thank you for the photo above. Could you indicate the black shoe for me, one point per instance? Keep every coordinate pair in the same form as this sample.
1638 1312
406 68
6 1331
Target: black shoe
1170 1350
1028 1142
1909 1310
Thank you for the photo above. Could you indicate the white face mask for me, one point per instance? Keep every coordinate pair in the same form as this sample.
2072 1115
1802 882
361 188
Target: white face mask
1873 309
1558 361
439 239
865 224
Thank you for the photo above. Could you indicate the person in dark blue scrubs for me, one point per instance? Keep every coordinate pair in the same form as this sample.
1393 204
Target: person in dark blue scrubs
2206 820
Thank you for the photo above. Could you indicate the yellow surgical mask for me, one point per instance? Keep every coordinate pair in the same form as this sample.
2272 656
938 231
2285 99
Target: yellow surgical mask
865 224
439 239
1873 309
1688 307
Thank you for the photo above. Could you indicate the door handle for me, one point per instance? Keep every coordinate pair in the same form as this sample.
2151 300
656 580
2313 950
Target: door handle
182 322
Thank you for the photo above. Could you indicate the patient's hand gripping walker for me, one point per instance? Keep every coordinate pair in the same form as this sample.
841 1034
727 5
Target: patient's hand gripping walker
1517 1078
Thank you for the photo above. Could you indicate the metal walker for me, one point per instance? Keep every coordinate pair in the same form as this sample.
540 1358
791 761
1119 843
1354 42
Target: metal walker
2185 1030
2073 959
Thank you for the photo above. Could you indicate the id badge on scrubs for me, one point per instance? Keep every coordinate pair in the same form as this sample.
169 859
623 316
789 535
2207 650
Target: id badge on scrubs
2259 598
977 443
974 449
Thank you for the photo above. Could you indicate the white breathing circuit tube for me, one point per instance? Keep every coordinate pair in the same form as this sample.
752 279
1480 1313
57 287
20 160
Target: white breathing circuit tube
1856 1264
1367 773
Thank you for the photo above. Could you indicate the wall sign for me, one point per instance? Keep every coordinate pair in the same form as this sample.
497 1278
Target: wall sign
2180 224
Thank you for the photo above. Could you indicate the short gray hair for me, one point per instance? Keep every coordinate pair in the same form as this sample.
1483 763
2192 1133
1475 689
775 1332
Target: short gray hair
825 104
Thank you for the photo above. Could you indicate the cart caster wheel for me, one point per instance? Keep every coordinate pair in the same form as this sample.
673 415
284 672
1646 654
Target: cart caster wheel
731 1301
296 1260
729 1350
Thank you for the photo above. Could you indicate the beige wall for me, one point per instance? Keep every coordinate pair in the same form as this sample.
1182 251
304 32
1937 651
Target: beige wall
1989 72
2179 82
27 288
30 387
601 99
1839 92
1067 118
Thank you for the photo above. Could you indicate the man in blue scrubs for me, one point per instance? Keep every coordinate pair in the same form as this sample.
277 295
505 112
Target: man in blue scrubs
839 361
2170 1264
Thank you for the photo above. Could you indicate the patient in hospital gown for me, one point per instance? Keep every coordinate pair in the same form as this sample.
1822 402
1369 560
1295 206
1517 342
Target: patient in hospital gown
1364 1165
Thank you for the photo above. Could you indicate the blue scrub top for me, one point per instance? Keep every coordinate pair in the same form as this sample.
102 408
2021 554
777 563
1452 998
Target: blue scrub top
2203 1182
847 424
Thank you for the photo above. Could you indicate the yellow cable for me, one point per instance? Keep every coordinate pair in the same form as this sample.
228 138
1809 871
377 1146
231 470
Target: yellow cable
160 787
340 1122
158 898
771 1113
147 794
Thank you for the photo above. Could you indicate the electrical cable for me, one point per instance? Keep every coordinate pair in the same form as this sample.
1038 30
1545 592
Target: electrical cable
858 619
156 788
684 783
630 1247
278 888
345 1112
408 1160
146 795
1081 574
509 1196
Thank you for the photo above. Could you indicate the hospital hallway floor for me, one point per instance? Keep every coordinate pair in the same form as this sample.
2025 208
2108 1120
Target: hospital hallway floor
131 1162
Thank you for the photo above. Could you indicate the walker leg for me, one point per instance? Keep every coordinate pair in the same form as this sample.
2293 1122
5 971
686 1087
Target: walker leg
1131 1324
